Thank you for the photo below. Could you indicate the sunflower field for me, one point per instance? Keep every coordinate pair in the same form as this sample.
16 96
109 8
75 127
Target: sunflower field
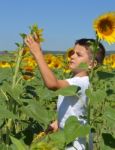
27 107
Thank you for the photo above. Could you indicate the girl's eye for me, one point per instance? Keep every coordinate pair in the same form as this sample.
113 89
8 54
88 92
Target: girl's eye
70 53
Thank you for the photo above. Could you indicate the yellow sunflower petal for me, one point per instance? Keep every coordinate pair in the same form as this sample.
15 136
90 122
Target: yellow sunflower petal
104 26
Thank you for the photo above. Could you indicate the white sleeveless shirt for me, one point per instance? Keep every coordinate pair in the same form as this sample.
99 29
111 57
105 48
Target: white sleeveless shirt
73 105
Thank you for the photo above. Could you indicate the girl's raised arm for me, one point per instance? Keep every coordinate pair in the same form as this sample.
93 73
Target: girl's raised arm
48 76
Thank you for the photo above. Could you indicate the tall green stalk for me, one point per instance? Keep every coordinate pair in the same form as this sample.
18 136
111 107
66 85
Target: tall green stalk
19 58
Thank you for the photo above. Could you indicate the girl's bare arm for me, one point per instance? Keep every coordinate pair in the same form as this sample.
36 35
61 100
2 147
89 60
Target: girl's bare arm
48 76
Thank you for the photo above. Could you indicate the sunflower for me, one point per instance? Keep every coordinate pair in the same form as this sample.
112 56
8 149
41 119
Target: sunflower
34 29
104 26
26 50
4 64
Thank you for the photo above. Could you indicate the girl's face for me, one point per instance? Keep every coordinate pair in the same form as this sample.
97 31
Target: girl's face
77 56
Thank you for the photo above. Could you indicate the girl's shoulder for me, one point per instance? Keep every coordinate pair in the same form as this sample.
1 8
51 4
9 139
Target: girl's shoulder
79 81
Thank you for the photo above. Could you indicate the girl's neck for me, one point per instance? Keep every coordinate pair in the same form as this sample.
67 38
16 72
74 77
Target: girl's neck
81 74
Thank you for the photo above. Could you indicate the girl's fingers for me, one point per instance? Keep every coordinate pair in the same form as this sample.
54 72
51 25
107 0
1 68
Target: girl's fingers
36 37
29 40
26 41
49 129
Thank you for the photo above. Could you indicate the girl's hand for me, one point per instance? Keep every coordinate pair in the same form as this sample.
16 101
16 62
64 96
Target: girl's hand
33 43
53 127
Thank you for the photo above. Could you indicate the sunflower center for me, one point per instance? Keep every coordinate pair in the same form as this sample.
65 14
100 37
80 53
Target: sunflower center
105 27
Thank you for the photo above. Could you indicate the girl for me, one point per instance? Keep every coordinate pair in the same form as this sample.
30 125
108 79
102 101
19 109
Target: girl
69 105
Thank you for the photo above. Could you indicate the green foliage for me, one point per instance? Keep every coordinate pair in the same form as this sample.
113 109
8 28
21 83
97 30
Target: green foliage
39 113
101 107
75 129
110 113
83 66
18 144
62 138
68 91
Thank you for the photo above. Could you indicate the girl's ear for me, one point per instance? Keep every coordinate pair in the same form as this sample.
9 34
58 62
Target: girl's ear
93 64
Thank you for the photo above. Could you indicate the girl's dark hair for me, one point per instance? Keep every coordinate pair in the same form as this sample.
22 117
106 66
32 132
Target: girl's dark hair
99 56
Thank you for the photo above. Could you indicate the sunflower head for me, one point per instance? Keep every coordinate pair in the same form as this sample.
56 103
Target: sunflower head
104 26
34 29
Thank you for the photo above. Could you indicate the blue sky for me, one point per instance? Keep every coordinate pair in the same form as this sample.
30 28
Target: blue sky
63 21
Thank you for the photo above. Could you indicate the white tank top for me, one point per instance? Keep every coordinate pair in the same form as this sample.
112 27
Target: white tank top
73 105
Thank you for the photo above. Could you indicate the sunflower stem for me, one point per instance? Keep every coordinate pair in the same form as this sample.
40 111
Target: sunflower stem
17 66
